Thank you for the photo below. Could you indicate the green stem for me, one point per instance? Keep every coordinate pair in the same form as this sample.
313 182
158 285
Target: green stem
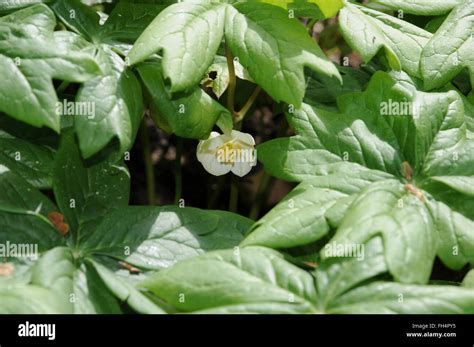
234 194
149 172
241 114
310 26
265 181
62 87
234 187
178 171
214 195
261 194
232 81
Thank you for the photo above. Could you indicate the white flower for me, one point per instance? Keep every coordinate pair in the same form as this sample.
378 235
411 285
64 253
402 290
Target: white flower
234 152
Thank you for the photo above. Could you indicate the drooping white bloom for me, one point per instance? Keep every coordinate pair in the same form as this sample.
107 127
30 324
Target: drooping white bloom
234 152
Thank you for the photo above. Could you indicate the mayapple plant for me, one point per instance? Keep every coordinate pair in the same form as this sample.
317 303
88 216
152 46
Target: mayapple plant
381 148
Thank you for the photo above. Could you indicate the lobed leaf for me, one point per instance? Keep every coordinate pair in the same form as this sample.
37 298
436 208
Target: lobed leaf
157 237
85 193
30 57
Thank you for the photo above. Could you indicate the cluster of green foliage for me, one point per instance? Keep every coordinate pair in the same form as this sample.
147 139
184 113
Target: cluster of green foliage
400 186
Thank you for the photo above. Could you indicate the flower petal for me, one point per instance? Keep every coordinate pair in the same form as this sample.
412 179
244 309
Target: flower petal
212 165
207 153
243 137
214 141
242 168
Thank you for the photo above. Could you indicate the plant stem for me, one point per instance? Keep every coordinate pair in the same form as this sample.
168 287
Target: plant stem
261 194
62 87
150 175
310 26
232 81
214 195
241 114
265 180
234 187
234 194
178 174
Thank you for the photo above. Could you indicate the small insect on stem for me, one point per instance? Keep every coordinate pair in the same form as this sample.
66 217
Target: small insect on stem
130 268
414 191
58 221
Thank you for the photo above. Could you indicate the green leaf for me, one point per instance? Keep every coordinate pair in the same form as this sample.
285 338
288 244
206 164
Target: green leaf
387 124
390 297
114 99
457 201
128 20
55 271
325 90
468 281
421 7
346 285
434 24
78 17
118 107
125 291
12 5
96 2
91 295
368 32
275 49
307 209
188 35
217 76
20 130
77 285
434 138
32 162
388 209
30 230
442 116
235 282
329 8
336 276
455 237
30 57
23 211
124 24
190 116
158 237
450 49
305 9
247 280
461 184
84 192
28 299
325 139
451 152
